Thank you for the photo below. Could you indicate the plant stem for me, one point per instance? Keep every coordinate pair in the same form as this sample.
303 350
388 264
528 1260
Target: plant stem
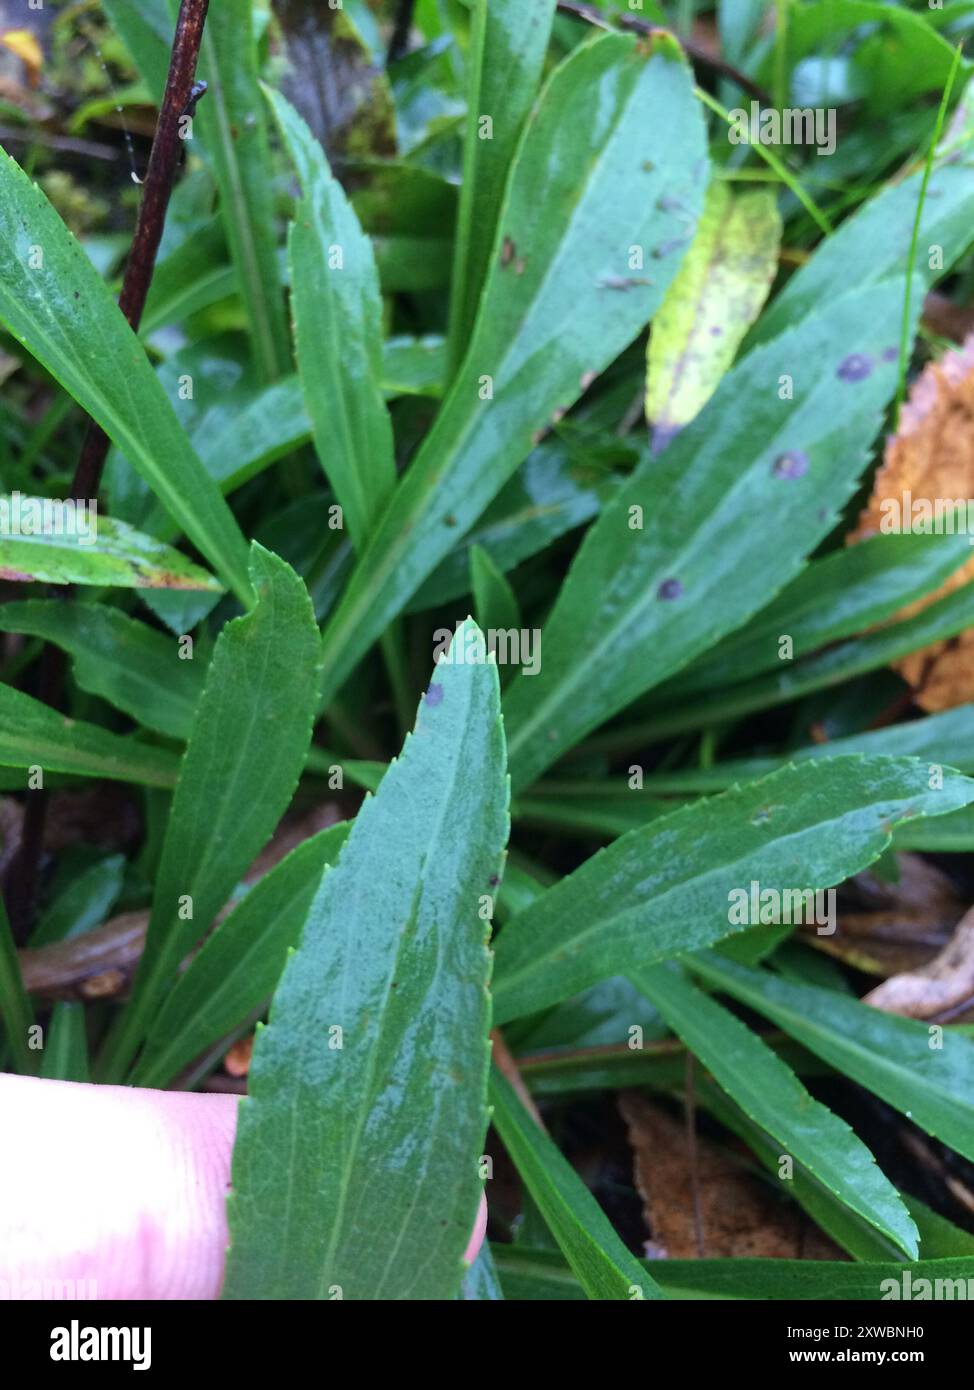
777 165
904 358
780 54
179 101
593 15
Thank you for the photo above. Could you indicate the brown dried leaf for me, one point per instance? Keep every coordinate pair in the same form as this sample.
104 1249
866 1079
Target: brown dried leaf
947 319
931 457
109 954
881 943
938 988
889 928
740 1214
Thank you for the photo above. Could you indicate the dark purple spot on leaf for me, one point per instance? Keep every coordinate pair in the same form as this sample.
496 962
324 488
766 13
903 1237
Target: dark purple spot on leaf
670 588
667 248
856 367
434 696
794 464
891 354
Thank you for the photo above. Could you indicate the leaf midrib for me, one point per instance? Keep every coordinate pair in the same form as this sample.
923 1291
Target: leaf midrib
604 925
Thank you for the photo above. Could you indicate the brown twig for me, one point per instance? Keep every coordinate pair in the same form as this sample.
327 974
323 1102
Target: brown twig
699 54
179 100
691 1120
100 964
65 144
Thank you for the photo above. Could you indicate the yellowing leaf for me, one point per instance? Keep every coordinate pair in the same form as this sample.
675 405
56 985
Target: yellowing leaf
716 296
24 44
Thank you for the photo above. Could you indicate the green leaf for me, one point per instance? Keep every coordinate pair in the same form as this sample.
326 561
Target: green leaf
718 293
413 366
901 53
248 744
85 903
495 602
192 277
642 602
848 591
940 1239
739 22
508 43
875 243
337 309
897 1058
770 1094
598 1017
936 623
53 302
560 303
273 423
65 1055
952 834
129 664
233 129
603 816
360 772
538 1274
662 1065
64 546
147 31
238 966
551 493
598 1258
34 735
15 1007
938 738
859 1239
664 889
356 1160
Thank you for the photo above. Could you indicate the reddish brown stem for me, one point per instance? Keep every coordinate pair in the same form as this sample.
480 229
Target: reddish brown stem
179 101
